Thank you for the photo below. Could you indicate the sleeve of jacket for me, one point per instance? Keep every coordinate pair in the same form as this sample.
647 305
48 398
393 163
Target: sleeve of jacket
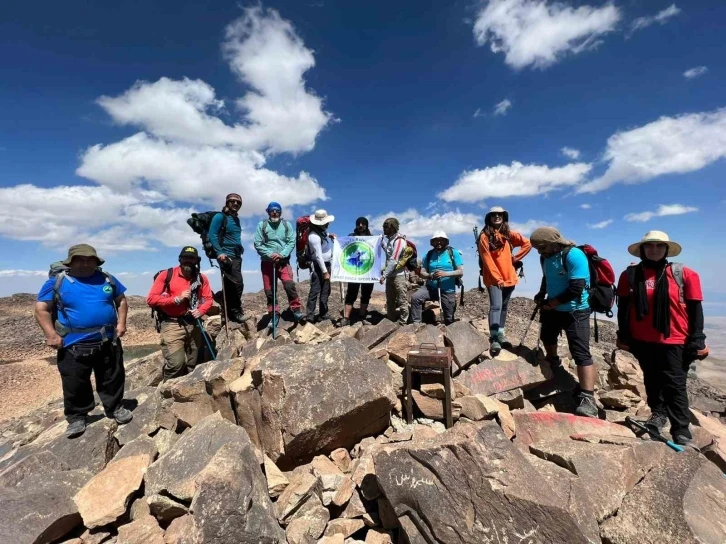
522 243
488 261
316 250
214 228
289 246
206 298
390 268
259 243
155 298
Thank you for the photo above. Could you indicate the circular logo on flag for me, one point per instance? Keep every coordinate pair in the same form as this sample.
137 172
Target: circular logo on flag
107 289
357 258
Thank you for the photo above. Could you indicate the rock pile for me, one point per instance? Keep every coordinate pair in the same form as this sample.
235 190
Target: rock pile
302 439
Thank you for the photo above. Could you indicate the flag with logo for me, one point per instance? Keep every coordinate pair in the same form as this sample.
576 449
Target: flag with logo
357 259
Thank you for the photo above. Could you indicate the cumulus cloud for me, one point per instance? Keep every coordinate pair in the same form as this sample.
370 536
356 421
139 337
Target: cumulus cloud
693 73
661 17
513 180
192 148
415 224
662 211
23 273
601 224
502 107
585 206
670 145
570 153
539 33
529 226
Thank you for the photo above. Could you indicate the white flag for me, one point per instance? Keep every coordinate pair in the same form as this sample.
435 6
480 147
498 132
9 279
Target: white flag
357 259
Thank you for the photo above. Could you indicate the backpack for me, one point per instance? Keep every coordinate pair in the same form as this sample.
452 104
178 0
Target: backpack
410 263
676 270
459 282
59 271
602 280
157 314
200 223
302 231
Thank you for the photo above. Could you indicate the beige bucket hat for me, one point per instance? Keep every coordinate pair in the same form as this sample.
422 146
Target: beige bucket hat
496 209
82 250
548 235
658 237
321 217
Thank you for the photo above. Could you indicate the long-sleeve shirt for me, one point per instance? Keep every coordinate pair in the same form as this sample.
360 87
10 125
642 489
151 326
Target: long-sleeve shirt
394 248
157 298
498 265
321 250
231 245
274 238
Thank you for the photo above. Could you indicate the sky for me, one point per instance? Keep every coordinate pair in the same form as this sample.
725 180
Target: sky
605 119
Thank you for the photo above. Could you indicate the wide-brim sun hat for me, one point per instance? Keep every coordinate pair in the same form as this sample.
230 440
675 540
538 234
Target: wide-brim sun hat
497 209
82 250
656 237
439 234
321 217
548 235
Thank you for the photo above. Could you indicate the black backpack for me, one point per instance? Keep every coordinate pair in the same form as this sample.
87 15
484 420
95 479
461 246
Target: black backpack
200 222
156 314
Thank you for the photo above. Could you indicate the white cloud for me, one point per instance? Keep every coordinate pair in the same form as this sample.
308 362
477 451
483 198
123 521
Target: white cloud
537 33
23 273
585 206
502 107
414 224
570 152
529 226
513 180
478 113
662 211
670 145
660 17
601 224
693 73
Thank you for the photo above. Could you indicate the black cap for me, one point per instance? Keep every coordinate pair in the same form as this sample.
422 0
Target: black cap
189 251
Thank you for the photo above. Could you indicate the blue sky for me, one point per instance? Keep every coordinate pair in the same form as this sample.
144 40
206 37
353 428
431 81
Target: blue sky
605 119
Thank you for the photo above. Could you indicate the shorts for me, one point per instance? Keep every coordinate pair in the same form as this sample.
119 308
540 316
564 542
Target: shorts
577 330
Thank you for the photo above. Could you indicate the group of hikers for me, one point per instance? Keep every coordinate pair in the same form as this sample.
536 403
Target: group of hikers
82 309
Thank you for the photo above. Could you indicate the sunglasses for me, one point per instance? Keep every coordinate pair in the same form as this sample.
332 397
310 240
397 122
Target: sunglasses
497 215
274 212
238 202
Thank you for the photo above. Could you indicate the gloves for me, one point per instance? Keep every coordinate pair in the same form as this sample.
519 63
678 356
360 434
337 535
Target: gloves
695 350
518 265
539 298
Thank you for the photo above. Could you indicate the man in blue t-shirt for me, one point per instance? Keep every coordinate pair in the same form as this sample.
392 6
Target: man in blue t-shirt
565 284
443 267
82 312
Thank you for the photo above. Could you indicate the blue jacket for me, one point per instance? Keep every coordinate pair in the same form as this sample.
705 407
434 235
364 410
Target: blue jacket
231 246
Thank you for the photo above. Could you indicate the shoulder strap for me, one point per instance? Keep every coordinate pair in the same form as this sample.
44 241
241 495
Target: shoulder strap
631 276
57 301
223 229
264 232
565 253
677 270
167 280
427 258
451 256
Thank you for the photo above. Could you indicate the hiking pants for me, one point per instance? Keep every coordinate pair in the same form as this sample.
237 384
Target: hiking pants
498 305
448 303
318 288
284 274
351 293
397 299
77 362
234 285
180 345
577 330
665 374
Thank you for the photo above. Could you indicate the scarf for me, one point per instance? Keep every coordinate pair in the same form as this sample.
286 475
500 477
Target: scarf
661 299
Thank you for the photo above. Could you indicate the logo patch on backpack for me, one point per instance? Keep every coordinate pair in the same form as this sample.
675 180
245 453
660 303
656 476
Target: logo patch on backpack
107 289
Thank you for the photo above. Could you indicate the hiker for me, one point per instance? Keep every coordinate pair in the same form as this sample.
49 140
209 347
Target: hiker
394 272
500 266
229 255
320 250
566 307
660 321
82 312
443 267
181 296
275 242
366 289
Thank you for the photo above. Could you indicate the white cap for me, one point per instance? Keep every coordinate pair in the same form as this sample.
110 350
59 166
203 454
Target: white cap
439 234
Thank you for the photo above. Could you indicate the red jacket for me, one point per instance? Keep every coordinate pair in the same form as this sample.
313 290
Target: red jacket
178 284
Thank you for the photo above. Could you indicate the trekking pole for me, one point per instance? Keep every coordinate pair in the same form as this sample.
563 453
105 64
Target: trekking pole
274 301
526 332
441 302
206 338
224 300
653 433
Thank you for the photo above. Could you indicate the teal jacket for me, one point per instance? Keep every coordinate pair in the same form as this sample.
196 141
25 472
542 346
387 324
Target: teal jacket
274 238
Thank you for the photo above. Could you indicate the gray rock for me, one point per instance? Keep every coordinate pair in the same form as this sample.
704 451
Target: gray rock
143 445
145 371
144 530
534 427
42 462
145 415
165 509
496 376
468 343
371 337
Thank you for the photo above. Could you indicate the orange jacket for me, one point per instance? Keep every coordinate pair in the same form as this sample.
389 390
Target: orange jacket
498 265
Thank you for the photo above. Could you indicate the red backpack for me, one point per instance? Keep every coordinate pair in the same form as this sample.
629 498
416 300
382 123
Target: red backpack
602 280
302 230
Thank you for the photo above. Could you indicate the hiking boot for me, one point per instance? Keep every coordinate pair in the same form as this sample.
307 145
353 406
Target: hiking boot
658 422
495 348
238 317
298 316
685 441
503 341
554 362
587 406
122 415
274 321
76 428
344 322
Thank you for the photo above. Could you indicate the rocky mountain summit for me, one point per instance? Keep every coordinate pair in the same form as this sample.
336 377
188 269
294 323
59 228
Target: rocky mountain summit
303 439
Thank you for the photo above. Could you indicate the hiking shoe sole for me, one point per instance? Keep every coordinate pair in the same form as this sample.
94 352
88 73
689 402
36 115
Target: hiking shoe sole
75 429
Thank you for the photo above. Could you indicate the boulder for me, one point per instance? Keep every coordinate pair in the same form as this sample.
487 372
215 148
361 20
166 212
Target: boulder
302 486
514 398
42 462
145 371
146 412
398 344
308 523
354 508
40 509
423 482
625 372
494 376
308 334
371 337
331 480
105 498
619 399
139 508
164 439
342 459
534 427
143 445
683 499
190 413
433 408
98 536
431 386
165 509
175 472
276 480
144 530
232 504
378 536
344 527
468 344
180 531
716 453
314 399
217 376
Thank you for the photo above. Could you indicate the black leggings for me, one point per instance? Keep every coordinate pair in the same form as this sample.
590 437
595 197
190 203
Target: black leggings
366 289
